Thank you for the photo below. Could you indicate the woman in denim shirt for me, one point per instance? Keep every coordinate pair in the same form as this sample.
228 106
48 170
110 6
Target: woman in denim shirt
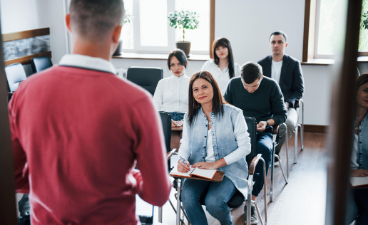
214 137
359 158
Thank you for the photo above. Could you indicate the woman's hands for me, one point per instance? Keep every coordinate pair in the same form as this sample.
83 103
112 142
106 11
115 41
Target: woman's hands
359 173
183 168
177 123
205 165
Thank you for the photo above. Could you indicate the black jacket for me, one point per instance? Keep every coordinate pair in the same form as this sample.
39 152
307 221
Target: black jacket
291 77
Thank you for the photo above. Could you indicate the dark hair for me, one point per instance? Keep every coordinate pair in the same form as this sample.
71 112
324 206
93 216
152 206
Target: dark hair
362 79
93 19
250 72
217 100
278 33
224 43
179 55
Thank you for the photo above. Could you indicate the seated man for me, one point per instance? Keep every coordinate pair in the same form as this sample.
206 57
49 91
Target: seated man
259 97
78 131
288 74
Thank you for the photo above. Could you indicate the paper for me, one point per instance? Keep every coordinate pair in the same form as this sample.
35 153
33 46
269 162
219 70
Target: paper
358 181
203 173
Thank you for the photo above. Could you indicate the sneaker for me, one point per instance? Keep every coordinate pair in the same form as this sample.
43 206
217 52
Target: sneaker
253 215
277 162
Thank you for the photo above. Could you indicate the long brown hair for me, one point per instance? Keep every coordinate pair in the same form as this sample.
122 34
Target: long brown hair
224 43
217 100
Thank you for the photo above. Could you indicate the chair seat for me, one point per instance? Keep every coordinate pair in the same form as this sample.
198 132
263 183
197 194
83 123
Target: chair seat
236 201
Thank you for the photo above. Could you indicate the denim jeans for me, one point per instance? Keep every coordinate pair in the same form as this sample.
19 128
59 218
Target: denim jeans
217 195
264 146
176 116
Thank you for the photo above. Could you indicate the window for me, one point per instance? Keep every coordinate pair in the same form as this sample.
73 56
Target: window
322 24
150 32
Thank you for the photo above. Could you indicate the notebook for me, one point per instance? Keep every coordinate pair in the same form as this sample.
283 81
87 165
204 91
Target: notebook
358 181
195 172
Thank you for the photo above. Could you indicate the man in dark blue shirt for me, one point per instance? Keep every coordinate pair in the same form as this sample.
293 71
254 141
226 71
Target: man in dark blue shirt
259 97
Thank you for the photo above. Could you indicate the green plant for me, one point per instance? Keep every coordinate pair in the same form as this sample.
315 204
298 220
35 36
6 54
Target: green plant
183 20
128 18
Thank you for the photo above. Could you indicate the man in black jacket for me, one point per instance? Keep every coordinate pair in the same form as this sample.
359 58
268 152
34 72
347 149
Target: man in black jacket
288 74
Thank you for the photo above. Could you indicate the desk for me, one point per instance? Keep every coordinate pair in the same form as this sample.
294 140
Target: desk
218 178
176 134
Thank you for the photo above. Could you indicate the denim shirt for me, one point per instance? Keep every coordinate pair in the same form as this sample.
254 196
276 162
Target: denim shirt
362 158
223 140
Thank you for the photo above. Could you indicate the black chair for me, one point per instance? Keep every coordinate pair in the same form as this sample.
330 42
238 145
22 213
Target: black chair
146 77
14 75
41 63
166 125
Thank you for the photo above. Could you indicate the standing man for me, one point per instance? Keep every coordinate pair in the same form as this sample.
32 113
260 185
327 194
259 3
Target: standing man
78 131
288 74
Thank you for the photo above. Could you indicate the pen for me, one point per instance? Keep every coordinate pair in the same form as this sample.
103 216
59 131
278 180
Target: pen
183 160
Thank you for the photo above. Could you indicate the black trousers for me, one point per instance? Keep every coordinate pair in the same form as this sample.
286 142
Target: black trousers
361 200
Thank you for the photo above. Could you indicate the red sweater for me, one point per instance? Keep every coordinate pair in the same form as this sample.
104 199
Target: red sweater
76 134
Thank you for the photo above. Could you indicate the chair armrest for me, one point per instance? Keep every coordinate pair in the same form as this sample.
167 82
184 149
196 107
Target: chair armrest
275 129
171 153
253 164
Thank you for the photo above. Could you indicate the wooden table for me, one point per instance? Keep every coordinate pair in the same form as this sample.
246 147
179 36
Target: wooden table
218 178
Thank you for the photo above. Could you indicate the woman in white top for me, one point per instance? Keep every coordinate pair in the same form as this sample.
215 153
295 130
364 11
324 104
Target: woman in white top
223 67
171 93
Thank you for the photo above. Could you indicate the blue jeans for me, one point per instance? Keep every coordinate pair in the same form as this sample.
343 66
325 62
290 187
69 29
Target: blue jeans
264 146
176 116
217 195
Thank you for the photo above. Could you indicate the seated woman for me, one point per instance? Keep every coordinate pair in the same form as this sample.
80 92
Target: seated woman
359 158
223 67
214 137
171 93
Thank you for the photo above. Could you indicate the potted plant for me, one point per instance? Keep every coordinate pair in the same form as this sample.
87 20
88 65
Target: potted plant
128 18
183 20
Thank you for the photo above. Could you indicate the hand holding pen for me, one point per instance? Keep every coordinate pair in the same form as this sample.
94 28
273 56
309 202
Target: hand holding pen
183 166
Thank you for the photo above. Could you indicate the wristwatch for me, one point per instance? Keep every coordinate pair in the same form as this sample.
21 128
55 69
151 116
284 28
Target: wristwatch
268 124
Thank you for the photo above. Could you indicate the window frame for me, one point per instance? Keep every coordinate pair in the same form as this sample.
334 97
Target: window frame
139 49
311 32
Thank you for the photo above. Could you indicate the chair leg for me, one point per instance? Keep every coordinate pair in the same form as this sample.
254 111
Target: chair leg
286 180
287 150
272 170
296 146
160 214
302 126
259 214
249 198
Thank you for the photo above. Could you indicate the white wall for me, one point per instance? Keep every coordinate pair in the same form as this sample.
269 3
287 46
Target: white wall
21 15
246 23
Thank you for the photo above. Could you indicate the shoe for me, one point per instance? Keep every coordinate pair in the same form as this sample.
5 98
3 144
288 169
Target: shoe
253 215
277 162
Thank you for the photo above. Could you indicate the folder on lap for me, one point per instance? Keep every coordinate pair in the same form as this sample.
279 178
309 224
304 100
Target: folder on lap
195 172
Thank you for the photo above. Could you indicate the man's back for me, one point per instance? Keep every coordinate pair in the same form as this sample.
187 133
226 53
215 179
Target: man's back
79 132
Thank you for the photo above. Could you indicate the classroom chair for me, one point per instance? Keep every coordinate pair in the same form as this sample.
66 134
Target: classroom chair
146 77
238 199
40 63
14 75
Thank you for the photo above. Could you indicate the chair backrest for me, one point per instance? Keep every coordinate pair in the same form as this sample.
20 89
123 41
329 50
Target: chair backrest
40 63
166 126
252 130
14 74
146 77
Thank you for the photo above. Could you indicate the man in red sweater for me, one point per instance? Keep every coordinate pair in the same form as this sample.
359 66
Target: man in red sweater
77 131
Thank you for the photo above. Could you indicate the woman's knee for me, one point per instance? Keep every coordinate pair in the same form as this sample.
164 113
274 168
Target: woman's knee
215 205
